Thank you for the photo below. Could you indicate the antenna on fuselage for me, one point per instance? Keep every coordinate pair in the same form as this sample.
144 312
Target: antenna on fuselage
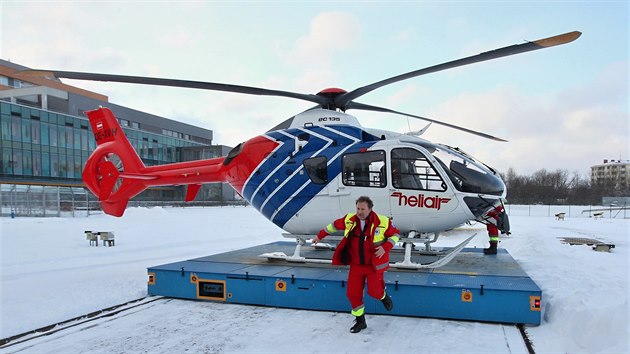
419 132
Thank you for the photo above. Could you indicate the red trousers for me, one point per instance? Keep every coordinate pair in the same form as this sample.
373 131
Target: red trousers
356 283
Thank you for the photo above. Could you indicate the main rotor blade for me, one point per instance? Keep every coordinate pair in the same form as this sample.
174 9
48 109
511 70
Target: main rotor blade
176 83
365 107
345 98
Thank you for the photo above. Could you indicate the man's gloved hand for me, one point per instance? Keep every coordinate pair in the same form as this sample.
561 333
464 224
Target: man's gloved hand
320 235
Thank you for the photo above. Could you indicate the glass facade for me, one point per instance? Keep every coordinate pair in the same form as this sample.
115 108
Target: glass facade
53 147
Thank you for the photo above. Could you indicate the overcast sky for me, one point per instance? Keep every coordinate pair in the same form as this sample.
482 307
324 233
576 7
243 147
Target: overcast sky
564 107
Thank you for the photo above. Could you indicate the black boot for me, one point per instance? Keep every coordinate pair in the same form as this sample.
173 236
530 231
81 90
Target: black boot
359 324
387 302
492 249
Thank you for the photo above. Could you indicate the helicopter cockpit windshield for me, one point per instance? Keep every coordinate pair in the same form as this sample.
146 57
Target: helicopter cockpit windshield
467 174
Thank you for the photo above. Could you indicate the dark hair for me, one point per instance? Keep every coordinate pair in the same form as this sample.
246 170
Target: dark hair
364 199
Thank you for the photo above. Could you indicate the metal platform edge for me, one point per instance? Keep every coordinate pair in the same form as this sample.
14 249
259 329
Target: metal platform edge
471 287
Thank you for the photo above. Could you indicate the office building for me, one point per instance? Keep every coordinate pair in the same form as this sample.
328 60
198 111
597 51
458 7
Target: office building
46 138
614 174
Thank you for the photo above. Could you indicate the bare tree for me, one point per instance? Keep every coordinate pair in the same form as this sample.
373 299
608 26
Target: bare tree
558 187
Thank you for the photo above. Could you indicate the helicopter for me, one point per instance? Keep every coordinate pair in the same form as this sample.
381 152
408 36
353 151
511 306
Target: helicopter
311 168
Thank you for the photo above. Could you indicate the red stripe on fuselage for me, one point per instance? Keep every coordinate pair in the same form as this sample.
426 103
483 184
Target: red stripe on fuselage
253 153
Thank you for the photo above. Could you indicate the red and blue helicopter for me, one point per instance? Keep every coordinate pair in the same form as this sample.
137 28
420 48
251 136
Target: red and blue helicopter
311 168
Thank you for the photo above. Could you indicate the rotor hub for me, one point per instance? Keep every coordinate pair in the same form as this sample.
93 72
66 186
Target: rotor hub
331 93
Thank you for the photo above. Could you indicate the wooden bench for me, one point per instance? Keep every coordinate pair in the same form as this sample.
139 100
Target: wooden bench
107 238
598 215
92 237
560 216
603 247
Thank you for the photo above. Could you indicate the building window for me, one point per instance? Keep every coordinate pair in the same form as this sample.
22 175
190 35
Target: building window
69 137
54 165
35 132
54 139
70 166
77 166
145 148
16 128
27 166
16 162
15 83
84 140
154 149
45 164
63 166
91 142
5 127
6 164
26 130
61 136
77 138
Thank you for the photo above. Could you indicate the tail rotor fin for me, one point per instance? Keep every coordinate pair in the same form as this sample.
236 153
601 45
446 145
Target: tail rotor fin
109 178
115 173
114 159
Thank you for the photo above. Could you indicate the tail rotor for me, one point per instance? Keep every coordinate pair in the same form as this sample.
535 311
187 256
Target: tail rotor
109 171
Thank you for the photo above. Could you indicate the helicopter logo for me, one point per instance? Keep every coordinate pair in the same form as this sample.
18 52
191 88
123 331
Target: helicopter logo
420 201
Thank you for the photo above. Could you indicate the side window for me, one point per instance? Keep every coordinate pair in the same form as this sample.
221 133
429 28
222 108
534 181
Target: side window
412 170
364 169
316 169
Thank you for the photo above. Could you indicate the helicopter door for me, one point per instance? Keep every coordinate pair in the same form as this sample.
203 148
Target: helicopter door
364 174
419 197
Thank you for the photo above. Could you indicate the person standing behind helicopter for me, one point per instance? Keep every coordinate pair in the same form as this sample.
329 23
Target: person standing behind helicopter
496 220
368 238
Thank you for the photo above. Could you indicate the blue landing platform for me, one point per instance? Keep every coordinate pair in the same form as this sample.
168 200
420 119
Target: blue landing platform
472 286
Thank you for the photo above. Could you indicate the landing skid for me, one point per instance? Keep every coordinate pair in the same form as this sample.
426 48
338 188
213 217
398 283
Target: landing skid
444 256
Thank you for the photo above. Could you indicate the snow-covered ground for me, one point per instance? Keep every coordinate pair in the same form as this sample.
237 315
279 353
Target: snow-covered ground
50 273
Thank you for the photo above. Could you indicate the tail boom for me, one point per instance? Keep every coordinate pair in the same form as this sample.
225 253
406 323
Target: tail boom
115 173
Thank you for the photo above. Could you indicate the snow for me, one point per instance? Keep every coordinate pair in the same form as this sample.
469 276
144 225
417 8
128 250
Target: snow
50 273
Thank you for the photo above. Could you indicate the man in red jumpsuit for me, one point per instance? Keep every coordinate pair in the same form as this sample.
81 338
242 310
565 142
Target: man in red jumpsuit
496 221
368 238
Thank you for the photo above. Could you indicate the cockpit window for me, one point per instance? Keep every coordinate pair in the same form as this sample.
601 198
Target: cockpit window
412 170
466 174
364 169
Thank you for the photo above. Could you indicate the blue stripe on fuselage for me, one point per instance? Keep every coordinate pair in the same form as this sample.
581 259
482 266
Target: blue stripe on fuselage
286 171
258 177
266 182
304 196
284 167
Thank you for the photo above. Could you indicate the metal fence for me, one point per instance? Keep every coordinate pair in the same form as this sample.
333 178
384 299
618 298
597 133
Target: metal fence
570 211
28 200
41 201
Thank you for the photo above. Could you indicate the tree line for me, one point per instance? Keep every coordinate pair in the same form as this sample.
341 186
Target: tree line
559 187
